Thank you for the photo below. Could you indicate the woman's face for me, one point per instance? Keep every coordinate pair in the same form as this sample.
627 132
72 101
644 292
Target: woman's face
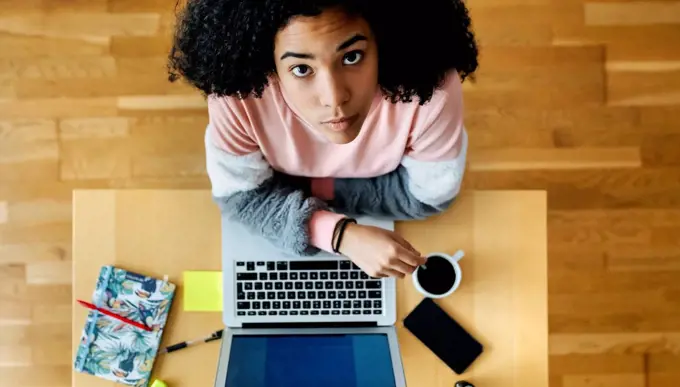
328 69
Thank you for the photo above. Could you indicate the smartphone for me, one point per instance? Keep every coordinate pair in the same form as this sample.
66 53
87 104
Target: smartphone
443 336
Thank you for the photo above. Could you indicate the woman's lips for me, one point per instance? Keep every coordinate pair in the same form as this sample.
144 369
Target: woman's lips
341 124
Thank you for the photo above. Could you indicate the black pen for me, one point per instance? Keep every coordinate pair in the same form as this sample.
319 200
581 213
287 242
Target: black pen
184 344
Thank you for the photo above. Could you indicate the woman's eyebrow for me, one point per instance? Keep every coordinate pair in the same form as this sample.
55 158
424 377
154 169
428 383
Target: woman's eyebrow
341 46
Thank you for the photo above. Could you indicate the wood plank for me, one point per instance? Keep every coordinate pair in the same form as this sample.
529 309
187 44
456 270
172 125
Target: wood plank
12 46
58 108
518 159
614 343
640 89
632 13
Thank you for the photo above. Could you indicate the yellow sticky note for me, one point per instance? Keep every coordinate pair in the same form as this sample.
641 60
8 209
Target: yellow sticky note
158 383
203 291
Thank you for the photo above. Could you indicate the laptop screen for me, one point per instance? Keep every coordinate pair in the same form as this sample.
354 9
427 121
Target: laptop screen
354 360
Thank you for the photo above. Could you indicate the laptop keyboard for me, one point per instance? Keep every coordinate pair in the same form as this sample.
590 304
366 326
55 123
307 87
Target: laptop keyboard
304 288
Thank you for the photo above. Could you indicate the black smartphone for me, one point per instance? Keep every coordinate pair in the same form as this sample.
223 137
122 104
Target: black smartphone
443 335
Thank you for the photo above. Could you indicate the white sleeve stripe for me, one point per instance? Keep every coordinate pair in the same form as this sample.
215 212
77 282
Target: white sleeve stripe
436 182
230 174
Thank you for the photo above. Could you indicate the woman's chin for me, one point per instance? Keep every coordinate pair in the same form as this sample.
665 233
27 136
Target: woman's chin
341 137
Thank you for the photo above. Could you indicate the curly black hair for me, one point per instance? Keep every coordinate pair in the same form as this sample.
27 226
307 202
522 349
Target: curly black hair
225 47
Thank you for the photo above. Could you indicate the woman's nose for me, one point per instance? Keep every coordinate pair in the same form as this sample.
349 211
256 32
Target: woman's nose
333 92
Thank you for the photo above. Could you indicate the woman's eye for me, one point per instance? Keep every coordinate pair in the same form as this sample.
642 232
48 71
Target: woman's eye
352 57
301 71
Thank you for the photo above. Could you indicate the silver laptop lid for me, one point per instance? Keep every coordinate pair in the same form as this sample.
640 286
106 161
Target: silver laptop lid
342 357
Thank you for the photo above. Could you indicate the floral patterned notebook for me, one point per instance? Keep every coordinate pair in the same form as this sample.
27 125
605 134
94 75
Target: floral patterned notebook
117 351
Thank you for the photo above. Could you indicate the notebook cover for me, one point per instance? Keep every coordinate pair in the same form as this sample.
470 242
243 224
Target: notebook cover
112 349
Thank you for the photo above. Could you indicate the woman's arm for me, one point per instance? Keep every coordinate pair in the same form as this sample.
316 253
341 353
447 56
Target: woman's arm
416 189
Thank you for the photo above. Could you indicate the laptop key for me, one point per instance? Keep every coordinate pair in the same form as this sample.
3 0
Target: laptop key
258 286
271 266
352 294
345 265
293 313
321 295
318 285
349 285
329 285
296 304
286 305
256 304
261 296
289 285
324 275
345 304
363 276
339 285
354 275
358 285
367 312
377 311
344 275
241 296
367 304
315 312
240 263
243 305
260 263
356 304
281 295
306 304
277 304
246 276
377 304
263 276
239 287
354 266
326 304
283 313
240 313
334 275
304 312
278 285
301 295
298 285
272 313
248 286
375 294
346 312
250 266
303 276
335 312
252 313
314 276
331 295
281 266
316 305
251 296
273 276
262 313
311 295
271 295
325 312
268 285
293 276
362 294
314 265
373 285
283 276
309 285
342 295
356 311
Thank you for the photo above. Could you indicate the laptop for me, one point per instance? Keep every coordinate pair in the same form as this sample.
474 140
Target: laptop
304 321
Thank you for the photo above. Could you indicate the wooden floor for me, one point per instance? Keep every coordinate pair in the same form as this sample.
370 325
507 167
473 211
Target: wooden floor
577 97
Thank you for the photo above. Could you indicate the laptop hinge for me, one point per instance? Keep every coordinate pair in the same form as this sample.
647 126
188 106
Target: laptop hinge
357 324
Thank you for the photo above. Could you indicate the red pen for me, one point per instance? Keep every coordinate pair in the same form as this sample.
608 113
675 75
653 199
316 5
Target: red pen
117 317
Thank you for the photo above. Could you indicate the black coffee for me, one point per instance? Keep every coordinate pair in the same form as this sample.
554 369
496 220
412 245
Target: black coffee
439 276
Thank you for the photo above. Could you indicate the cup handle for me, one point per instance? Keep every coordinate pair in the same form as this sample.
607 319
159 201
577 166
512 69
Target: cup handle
458 255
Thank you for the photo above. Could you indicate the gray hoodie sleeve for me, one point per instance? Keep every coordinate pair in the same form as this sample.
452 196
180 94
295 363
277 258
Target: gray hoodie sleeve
248 191
415 190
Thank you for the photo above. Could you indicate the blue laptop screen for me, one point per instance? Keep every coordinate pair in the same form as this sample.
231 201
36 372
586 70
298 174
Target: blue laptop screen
360 360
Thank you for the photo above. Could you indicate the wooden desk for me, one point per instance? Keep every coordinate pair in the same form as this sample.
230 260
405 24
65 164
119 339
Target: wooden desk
502 299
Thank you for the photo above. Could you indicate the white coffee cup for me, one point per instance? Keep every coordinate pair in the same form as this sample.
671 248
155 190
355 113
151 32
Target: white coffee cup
453 260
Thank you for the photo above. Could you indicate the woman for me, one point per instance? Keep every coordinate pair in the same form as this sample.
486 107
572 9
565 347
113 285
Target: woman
324 109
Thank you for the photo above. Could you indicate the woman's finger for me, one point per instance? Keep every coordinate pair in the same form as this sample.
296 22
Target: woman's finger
410 258
392 273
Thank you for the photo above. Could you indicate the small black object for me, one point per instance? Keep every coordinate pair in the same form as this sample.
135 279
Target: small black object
463 383
339 232
438 275
443 335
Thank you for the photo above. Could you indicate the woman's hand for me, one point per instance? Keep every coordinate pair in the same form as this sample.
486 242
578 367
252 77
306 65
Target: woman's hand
379 252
